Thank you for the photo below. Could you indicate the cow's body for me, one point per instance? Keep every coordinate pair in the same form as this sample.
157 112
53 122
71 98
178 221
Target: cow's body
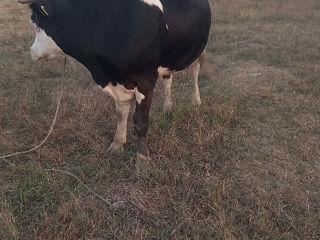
126 45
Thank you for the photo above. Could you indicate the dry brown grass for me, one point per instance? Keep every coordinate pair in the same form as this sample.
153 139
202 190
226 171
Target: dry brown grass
244 165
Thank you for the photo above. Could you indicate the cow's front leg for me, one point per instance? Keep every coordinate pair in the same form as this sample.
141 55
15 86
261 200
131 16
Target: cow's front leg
122 112
141 123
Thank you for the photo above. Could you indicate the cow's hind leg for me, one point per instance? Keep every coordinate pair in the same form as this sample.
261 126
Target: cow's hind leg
167 107
122 112
195 70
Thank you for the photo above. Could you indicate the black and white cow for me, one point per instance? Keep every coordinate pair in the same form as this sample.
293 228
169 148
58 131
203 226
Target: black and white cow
126 45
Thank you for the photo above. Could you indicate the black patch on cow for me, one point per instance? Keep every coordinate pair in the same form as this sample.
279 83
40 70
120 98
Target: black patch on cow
119 39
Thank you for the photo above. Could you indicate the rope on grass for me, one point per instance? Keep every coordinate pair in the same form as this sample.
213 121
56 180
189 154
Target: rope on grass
39 145
112 206
116 205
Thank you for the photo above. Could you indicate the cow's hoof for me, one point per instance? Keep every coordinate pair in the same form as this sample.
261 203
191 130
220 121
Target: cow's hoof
167 108
142 164
196 100
115 148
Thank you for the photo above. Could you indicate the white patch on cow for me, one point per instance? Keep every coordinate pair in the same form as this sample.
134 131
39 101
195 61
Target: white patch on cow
164 71
122 95
44 47
156 3
119 93
139 96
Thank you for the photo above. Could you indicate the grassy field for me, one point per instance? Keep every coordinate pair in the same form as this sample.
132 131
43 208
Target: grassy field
244 165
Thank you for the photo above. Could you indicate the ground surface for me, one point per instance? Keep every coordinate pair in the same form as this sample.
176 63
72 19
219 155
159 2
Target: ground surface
244 165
